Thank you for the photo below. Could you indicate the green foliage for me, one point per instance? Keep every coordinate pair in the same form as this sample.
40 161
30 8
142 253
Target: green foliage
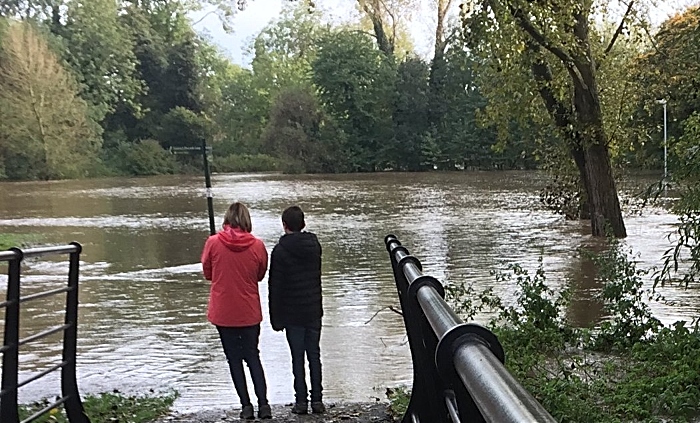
45 131
668 70
110 407
100 50
399 398
300 134
411 147
628 369
623 297
143 158
144 73
245 163
543 62
182 127
355 82
684 257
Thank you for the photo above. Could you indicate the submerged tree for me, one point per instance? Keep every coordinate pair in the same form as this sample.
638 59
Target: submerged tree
550 49
44 129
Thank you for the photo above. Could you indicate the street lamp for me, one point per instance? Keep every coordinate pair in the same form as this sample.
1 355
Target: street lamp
663 102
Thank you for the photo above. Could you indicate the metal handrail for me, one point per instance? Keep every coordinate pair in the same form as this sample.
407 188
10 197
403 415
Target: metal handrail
70 399
464 362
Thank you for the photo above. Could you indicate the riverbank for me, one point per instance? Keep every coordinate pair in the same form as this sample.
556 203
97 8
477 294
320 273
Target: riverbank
376 412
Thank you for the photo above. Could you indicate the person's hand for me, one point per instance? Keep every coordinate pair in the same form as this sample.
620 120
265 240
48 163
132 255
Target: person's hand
277 328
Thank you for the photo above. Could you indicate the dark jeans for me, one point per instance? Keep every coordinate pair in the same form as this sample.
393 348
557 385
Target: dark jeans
305 340
242 344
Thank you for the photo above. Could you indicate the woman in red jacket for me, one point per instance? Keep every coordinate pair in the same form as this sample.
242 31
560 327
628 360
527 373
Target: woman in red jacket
235 261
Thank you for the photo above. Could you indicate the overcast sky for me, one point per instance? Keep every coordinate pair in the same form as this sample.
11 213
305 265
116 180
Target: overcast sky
249 22
259 13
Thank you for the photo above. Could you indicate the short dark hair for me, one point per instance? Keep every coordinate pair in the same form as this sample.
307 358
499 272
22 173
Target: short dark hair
293 218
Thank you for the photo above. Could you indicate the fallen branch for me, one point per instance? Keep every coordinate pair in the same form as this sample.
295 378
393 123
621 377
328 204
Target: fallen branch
391 307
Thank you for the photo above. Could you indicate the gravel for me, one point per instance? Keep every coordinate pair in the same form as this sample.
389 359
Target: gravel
376 412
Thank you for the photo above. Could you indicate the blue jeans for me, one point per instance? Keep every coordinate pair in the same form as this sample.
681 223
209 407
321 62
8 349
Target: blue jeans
305 341
242 344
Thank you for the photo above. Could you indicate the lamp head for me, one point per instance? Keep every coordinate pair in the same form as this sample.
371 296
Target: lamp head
661 101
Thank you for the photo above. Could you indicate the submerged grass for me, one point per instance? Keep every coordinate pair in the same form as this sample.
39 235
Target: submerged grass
16 240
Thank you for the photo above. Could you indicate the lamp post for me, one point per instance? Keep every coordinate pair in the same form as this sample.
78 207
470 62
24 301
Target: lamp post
663 102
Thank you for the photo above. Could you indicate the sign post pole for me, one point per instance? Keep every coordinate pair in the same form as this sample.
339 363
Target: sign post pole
210 194
207 177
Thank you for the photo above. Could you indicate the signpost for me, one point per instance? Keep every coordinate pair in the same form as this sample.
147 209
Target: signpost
207 177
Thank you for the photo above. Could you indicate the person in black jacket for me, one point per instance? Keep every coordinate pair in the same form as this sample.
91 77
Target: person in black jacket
296 304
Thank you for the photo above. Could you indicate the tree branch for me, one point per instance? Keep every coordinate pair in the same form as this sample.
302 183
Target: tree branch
382 309
203 17
525 24
619 29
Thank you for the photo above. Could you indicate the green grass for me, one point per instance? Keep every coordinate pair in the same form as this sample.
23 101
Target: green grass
16 240
110 407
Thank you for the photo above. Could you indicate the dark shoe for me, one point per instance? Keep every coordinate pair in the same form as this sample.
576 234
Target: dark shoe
300 408
265 412
247 413
317 407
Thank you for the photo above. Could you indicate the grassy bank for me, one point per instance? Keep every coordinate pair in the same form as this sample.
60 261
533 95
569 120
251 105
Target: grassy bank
110 407
630 368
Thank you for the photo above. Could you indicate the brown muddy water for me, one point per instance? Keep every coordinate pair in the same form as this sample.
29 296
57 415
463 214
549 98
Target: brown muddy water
142 318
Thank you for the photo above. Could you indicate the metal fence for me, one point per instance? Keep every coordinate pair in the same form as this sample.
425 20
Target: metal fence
70 397
458 371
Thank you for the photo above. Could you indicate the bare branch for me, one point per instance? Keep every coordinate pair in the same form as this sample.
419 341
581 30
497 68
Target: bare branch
619 29
382 309
203 17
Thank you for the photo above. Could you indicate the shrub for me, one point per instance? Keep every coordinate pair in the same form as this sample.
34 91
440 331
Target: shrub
142 158
244 163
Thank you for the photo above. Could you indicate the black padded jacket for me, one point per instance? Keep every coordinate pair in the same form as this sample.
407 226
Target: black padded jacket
295 281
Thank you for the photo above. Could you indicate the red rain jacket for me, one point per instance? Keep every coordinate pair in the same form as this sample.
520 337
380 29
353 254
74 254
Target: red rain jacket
234 261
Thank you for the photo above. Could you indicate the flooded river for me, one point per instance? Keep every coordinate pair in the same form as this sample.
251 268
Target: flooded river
143 300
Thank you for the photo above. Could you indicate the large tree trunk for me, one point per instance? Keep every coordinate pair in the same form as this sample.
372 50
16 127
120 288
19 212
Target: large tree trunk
600 184
580 159
602 193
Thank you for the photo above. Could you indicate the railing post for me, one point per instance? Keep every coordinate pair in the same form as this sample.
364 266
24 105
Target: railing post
10 358
69 384
426 403
467 369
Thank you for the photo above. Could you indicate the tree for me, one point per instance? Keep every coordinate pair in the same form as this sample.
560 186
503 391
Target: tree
669 70
100 50
412 147
548 36
286 49
355 82
389 20
301 134
44 129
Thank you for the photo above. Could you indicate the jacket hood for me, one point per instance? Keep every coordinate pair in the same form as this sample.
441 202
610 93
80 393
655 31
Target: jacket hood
236 239
300 244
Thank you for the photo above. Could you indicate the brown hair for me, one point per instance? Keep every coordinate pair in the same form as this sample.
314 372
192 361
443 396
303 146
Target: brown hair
293 218
237 216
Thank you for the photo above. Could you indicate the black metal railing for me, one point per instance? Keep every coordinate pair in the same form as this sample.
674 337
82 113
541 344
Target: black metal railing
458 371
70 397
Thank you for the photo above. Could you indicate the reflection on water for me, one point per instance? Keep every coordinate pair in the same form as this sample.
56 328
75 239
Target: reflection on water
143 300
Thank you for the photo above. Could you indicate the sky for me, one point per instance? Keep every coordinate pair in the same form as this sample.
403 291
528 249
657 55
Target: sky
249 22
